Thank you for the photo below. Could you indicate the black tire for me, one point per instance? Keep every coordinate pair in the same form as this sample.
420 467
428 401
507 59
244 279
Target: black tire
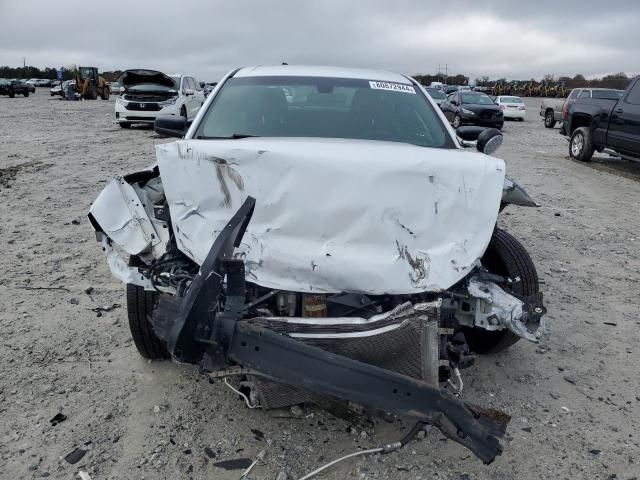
12 94
457 121
549 120
580 146
507 257
183 113
500 125
140 305
124 124
26 93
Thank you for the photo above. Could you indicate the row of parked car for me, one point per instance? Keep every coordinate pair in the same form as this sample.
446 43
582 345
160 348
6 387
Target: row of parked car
598 120
14 86
463 106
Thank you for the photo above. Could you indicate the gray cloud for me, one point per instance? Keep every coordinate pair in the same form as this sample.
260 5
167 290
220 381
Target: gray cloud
206 39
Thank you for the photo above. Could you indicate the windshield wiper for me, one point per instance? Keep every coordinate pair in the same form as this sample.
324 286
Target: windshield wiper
230 137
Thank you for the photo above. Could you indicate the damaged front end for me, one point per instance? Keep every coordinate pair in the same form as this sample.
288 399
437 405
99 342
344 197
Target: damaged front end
389 346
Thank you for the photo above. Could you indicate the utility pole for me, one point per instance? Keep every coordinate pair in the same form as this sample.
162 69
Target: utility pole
446 72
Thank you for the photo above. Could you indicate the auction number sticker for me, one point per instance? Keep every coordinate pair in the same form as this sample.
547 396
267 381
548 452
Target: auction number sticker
395 87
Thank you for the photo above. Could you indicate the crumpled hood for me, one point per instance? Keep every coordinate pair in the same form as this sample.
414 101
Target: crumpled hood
130 78
336 215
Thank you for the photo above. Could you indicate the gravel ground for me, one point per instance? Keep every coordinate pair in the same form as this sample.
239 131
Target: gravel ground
574 399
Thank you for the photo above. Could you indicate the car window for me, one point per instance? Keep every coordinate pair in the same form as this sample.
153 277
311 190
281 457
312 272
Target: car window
585 94
476 99
633 96
196 84
510 100
574 93
321 107
608 94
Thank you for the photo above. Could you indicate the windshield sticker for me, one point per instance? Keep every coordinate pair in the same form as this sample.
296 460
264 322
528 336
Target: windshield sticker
396 87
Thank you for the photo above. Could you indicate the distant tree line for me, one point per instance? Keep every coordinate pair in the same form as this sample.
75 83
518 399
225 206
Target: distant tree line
618 80
48 72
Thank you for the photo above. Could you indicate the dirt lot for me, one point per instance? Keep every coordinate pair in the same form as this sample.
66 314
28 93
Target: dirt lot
574 399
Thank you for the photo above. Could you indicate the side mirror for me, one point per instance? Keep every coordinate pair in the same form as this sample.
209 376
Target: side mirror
189 91
170 125
489 141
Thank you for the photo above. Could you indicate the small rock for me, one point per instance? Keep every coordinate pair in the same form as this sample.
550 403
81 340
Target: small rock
58 418
33 467
209 453
570 379
84 475
297 411
88 290
594 451
75 222
282 476
558 214
526 429
421 435
74 301
75 456
565 409
363 434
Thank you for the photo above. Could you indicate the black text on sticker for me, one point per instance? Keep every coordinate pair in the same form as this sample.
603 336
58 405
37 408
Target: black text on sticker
396 87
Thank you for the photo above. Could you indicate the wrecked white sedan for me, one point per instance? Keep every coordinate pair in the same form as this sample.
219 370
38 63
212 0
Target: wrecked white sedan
322 234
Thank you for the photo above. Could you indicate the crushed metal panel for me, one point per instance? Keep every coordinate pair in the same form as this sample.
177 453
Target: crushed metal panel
336 215
505 310
121 270
122 217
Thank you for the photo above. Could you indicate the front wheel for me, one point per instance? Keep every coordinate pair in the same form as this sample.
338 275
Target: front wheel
457 121
105 94
12 94
549 120
580 146
26 94
140 309
505 256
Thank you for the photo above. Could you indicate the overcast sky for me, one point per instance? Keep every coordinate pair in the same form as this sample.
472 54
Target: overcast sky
515 39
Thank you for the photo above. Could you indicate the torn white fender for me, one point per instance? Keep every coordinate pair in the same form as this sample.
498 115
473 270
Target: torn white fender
120 210
336 215
121 270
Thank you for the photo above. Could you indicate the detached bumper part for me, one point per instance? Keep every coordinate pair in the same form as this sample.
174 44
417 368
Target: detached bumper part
195 331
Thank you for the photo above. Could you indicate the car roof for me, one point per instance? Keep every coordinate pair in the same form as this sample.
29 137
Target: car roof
320 71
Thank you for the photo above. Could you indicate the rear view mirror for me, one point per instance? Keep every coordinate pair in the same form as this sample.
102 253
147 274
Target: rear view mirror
486 140
170 126
489 141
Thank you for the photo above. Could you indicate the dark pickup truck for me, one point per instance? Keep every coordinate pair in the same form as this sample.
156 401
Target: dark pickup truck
611 123
13 88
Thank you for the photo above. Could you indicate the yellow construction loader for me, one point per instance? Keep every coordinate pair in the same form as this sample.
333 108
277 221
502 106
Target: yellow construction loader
89 85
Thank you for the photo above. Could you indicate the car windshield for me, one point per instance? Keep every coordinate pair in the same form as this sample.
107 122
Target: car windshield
476 99
436 94
323 107
608 94
510 100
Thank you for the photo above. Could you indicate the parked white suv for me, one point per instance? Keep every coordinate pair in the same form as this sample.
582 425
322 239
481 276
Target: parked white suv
149 93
